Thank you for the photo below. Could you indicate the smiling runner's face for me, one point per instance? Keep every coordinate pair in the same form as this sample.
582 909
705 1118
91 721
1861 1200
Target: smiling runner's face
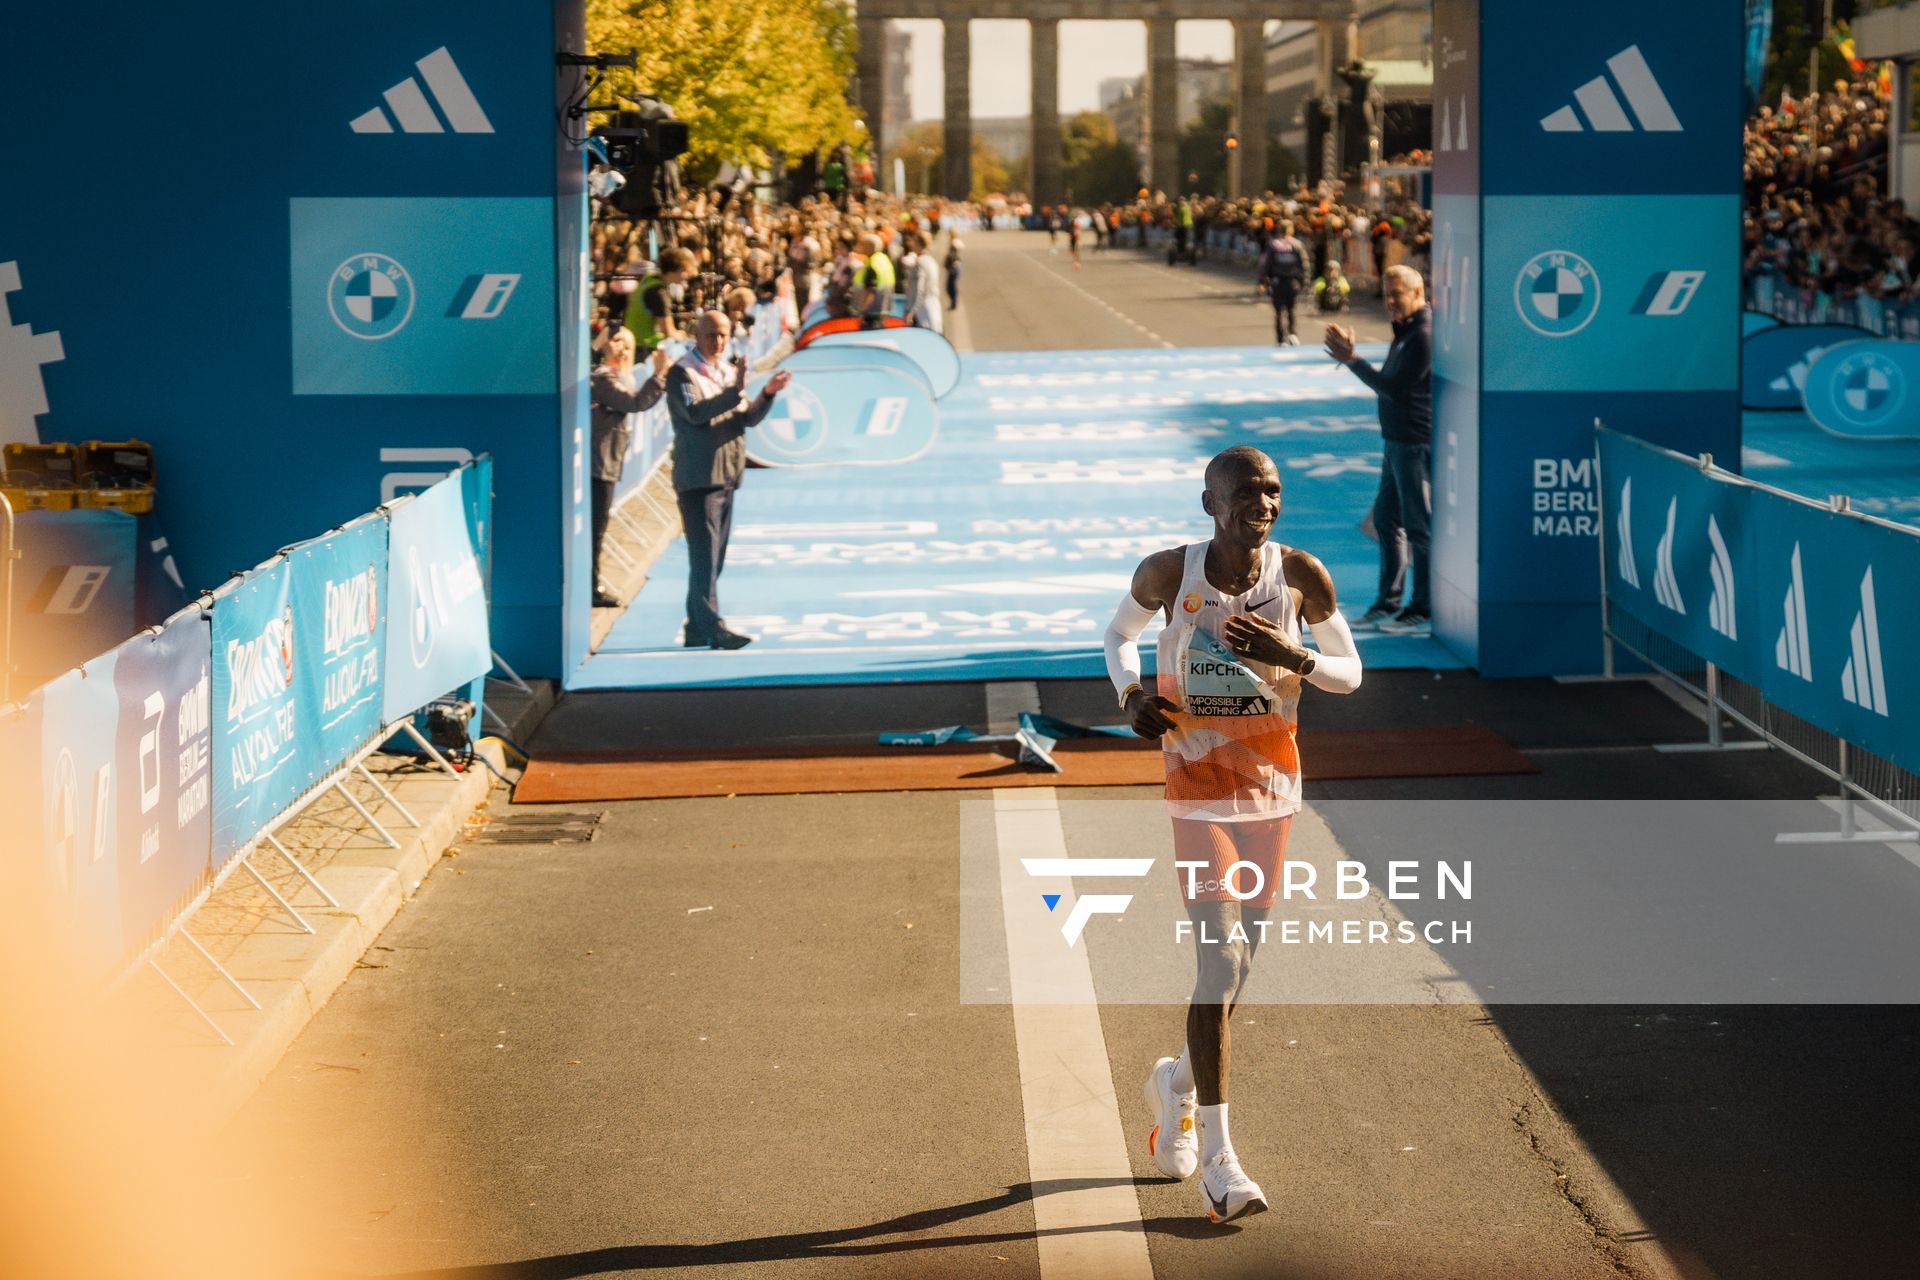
1244 501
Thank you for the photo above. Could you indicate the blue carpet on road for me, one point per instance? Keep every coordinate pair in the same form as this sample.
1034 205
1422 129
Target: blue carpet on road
1001 552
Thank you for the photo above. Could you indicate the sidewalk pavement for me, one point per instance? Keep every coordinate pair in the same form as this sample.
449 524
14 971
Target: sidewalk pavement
292 973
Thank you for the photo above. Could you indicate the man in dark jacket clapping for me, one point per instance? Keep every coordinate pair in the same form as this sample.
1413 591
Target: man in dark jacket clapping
1403 507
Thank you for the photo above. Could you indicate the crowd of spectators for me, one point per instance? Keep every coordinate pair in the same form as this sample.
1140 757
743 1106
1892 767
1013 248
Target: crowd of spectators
1820 239
1363 242
767 263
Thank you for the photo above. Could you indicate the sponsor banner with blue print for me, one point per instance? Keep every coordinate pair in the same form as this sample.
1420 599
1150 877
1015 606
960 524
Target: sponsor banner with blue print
1835 595
163 758
931 352
436 640
79 714
1866 389
260 765
1579 298
816 358
1676 549
73 589
339 599
414 296
1634 96
1775 360
1457 303
1805 603
837 412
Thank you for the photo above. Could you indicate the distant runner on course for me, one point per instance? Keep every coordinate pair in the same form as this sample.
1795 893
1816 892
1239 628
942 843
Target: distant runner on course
1229 670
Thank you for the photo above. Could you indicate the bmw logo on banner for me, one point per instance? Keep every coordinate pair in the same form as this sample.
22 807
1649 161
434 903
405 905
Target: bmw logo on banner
847 406
1557 293
1865 389
371 296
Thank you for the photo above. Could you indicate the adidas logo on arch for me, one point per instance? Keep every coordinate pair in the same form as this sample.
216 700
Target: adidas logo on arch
409 104
1602 109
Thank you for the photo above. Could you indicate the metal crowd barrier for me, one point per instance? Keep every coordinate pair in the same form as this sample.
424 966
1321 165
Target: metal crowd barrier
150 774
1749 653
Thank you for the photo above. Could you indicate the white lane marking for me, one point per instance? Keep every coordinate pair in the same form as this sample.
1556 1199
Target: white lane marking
1106 306
1006 699
1066 1083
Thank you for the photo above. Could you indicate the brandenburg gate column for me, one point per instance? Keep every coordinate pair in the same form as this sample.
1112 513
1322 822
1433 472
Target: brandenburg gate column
957 59
872 74
1247 167
1163 107
1045 146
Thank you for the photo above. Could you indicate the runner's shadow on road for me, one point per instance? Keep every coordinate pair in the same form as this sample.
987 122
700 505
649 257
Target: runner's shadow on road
846 1242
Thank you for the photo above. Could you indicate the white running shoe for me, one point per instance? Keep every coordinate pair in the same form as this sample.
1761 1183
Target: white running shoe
1174 1143
1230 1194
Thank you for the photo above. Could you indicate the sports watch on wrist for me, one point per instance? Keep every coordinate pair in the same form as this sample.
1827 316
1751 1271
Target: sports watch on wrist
1306 668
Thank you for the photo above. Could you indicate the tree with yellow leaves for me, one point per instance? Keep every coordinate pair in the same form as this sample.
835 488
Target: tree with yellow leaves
749 77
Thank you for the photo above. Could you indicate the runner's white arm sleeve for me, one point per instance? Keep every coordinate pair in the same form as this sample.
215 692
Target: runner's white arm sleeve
1337 669
1123 642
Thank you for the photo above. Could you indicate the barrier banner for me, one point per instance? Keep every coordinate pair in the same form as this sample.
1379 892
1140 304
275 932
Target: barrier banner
1805 603
1676 546
438 640
841 413
259 766
21 796
1866 389
1775 361
79 713
73 589
933 354
163 759
339 599
1835 594
1767 295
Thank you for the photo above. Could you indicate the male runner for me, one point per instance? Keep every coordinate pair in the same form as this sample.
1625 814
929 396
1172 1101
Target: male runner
1283 269
1230 666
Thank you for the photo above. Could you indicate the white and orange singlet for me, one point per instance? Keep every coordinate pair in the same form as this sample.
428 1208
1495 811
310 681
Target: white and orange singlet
1231 756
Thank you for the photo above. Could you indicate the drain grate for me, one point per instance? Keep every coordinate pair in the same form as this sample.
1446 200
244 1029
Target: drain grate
541 827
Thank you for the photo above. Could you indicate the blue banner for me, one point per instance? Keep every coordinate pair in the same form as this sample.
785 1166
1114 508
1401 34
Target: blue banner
1759 34
1676 550
79 715
437 641
413 291
1775 361
930 351
163 757
73 589
1805 603
840 413
1866 389
259 766
339 597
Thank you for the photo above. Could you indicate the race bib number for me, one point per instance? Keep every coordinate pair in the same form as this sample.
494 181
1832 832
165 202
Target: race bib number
1216 683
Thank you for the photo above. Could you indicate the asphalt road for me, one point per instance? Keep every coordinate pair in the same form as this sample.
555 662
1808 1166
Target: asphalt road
1018 293
730 1037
